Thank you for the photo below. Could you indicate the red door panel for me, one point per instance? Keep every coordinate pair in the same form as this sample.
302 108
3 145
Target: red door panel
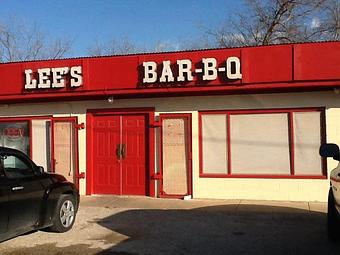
133 164
106 168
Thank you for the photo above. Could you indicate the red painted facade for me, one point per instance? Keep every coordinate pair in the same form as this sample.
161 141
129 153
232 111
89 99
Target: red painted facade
295 67
124 153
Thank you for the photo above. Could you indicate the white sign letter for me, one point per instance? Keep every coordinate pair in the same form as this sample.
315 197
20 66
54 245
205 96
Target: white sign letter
237 74
44 82
210 71
76 77
57 74
166 72
184 66
150 74
30 83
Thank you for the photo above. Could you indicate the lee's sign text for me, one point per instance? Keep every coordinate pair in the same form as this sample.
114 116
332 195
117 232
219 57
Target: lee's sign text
186 71
57 77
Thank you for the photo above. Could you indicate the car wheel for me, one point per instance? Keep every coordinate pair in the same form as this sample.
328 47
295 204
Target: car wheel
332 217
64 215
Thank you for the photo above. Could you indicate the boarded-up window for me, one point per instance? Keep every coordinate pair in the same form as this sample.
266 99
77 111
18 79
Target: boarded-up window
175 156
41 143
280 142
64 149
307 140
214 143
259 144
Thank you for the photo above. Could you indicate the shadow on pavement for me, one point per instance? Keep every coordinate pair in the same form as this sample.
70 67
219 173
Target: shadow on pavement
250 229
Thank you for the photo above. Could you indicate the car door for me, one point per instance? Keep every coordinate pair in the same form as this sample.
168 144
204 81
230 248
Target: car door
4 194
26 192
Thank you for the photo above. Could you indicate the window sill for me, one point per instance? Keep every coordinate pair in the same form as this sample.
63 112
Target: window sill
263 176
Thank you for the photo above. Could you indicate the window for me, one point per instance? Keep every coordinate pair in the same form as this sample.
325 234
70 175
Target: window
175 148
15 167
214 132
41 143
15 135
50 142
261 143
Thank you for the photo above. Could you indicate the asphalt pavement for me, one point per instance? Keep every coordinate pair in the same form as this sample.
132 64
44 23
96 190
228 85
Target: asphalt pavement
143 225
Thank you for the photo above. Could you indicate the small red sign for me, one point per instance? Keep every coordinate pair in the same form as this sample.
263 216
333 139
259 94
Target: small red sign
14 132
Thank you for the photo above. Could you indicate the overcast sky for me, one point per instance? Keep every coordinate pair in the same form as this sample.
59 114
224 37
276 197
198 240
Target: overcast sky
144 22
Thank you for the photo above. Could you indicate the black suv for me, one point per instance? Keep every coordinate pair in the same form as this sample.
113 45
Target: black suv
31 199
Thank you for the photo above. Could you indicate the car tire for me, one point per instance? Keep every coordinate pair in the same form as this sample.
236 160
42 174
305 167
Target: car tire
332 217
65 214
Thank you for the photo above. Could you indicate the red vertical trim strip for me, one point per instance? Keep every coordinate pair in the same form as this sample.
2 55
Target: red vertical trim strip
30 139
200 143
151 152
89 154
52 147
160 155
291 142
76 151
228 144
189 142
323 131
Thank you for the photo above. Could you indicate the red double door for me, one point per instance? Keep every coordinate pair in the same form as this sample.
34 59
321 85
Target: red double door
119 154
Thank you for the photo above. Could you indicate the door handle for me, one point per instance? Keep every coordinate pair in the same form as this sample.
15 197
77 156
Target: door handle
17 188
123 151
119 151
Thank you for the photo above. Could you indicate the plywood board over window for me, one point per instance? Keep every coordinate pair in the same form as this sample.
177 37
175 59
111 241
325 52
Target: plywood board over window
259 143
214 139
307 140
63 149
41 143
175 155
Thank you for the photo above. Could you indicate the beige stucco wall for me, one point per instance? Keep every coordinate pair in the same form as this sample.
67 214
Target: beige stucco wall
230 188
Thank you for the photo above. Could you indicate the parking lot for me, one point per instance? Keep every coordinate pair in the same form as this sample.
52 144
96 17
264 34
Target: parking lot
142 225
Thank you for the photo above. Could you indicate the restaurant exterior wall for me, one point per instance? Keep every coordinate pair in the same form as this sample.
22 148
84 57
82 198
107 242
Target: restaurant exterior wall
227 188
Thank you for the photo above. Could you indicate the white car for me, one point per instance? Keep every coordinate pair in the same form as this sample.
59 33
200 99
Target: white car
333 213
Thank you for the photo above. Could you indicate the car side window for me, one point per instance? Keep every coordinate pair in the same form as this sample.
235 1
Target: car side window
16 167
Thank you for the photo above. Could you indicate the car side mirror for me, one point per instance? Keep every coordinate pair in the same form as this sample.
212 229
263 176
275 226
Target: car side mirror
41 169
330 150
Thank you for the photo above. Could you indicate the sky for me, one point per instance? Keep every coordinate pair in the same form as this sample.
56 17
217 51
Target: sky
144 22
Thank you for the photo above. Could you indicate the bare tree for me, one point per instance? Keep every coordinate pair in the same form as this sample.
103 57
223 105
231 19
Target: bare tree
264 22
125 46
20 42
331 21
112 47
